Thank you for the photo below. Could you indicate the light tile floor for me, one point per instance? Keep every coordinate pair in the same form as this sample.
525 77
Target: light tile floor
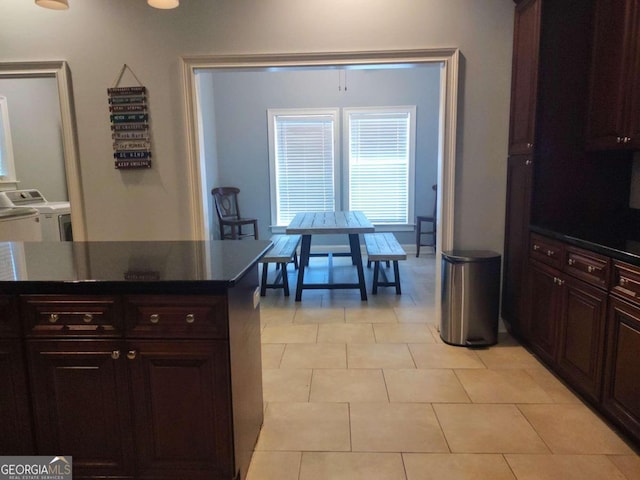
367 390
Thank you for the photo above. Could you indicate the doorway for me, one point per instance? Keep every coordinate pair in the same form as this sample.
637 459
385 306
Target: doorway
55 77
448 59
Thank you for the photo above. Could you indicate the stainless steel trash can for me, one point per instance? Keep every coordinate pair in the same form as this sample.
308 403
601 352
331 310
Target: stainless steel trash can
470 297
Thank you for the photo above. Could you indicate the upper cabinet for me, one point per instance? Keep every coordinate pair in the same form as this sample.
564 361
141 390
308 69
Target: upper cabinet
614 102
524 77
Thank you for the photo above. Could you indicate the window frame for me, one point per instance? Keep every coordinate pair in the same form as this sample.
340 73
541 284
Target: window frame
7 160
272 114
411 110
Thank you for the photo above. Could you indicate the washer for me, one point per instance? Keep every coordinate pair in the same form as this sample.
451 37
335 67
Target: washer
20 224
55 217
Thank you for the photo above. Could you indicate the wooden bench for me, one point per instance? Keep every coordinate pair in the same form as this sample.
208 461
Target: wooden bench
383 247
283 252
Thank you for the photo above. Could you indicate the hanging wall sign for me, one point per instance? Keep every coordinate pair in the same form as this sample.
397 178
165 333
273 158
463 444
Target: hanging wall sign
129 124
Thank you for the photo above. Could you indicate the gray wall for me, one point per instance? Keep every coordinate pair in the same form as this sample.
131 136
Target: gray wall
96 37
34 116
242 100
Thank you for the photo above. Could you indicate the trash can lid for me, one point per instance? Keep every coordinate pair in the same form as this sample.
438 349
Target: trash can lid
471 255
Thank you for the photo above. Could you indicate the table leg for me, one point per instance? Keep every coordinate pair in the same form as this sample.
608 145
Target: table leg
305 249
356 255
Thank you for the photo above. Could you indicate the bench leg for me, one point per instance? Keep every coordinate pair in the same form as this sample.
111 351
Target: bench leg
396 274
376 272
285 280
263 285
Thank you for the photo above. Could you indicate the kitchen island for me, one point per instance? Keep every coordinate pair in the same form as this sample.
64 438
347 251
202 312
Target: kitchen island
140 360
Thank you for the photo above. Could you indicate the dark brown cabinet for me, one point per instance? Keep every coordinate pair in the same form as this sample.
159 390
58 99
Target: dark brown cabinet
181 408
519 178
524 88
139 386
545 306
15 419
614 102
548 108
621 393
81 403
524 76
581 326
583 321
567 310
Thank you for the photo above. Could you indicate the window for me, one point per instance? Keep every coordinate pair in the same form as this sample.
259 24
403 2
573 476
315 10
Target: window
377 165
379 162
303 152
7 171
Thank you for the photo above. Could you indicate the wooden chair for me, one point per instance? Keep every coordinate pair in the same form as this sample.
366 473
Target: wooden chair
432 231
229 219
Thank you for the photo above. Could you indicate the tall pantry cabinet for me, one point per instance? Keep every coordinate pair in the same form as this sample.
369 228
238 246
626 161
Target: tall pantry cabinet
524 83
551 57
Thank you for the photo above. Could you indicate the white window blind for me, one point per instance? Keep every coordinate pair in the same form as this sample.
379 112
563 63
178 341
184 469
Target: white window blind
303 158
380 163
7 170
8 266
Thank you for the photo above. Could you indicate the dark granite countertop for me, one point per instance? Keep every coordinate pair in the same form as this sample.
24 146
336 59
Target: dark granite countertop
609 240
126 267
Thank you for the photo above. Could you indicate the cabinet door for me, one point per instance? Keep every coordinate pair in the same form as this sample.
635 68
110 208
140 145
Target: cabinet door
524 77
610 67
580 348
181 398
519 177
9 322
621 392
633 82
15 419
545 302
81 405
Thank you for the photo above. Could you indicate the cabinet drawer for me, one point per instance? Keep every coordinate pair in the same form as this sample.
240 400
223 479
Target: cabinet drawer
176 317
67 315
587 266
626 281
546 250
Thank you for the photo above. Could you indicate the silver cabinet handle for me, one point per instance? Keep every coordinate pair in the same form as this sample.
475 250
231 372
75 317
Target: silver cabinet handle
591 268
623 282
131 354
536 248
529 145
571 261
550 253
87 318
53 318
154 318
528 162
190 318
115 354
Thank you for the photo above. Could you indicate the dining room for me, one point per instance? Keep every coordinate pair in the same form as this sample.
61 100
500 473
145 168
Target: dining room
244 113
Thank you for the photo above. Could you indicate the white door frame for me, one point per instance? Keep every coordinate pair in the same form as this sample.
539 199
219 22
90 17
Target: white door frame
449 58
59 70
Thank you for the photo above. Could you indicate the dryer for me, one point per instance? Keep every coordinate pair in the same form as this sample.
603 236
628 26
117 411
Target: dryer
55 217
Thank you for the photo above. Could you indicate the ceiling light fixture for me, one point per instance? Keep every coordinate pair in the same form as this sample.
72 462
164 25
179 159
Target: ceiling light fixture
164 4
64 4
53 4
